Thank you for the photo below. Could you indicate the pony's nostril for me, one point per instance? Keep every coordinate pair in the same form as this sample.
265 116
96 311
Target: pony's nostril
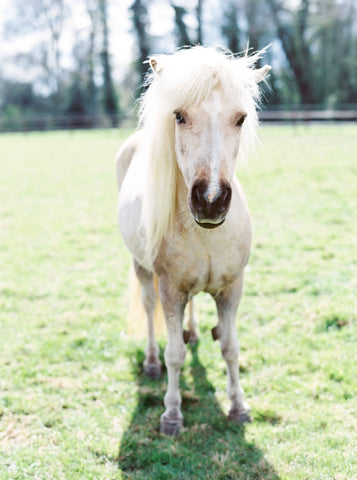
195 194
227 195
222 200
198 195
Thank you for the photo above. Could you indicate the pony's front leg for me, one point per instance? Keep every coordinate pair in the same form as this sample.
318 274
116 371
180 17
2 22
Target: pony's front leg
227 305
173 303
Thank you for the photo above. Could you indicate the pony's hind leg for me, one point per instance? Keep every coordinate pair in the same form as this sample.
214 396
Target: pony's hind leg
227 304
152 364
191 335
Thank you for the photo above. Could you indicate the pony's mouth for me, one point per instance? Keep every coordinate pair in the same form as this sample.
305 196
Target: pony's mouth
209 225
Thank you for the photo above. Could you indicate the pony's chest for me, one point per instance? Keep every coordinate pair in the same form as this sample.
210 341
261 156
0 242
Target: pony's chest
203 264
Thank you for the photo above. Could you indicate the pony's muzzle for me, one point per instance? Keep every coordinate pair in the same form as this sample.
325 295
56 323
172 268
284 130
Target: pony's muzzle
209 209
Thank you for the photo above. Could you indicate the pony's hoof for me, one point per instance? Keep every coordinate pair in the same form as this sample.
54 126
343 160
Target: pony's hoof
190 336
170 427
152 370
216 334
239 416
193 338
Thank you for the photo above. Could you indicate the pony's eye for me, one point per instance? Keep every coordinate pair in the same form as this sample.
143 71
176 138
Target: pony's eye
179 117
240 121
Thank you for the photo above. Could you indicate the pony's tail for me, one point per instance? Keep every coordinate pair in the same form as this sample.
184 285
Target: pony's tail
137 319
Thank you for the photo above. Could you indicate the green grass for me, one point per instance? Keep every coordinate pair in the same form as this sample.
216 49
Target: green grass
74 403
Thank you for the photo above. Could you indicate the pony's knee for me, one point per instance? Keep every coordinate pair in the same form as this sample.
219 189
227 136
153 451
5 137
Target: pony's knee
175 354
230 350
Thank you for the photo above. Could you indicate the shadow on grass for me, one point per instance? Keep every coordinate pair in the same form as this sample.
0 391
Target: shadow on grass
210 447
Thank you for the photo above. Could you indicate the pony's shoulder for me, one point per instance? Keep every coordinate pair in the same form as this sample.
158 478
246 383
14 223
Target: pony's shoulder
132 142
126 153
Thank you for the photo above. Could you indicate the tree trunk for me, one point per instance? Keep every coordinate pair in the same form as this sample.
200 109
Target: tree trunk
140 19
110 104
199 9
182 35
296 49
230 27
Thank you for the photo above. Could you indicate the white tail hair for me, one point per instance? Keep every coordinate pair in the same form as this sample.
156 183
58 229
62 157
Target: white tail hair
137 318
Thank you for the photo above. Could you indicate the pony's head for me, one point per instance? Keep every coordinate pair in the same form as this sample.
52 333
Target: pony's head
200 114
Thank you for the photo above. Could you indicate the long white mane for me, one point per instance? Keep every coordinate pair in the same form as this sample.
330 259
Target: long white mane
182 79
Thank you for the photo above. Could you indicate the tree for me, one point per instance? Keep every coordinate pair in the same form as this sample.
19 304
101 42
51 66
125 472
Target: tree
336 46
91 8
320 43
230 26
140 19
183 36
78 98
199 12
292 31
259 23
46 19
110 102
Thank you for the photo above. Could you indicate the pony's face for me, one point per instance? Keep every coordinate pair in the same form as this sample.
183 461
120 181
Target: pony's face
206 143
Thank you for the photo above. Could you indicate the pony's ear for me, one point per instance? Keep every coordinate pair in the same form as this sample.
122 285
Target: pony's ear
155 64
261 73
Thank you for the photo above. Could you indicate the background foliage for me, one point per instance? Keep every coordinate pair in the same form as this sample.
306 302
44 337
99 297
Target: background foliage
313 50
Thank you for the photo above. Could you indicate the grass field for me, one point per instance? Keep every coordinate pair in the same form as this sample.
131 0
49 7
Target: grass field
74 403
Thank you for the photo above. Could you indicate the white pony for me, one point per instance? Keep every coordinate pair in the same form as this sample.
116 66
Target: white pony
182 212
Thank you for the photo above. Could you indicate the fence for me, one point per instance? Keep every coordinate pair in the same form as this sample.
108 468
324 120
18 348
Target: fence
309 113
290 114
27 123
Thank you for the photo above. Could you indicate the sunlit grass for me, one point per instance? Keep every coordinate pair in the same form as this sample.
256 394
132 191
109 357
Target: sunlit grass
74 403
